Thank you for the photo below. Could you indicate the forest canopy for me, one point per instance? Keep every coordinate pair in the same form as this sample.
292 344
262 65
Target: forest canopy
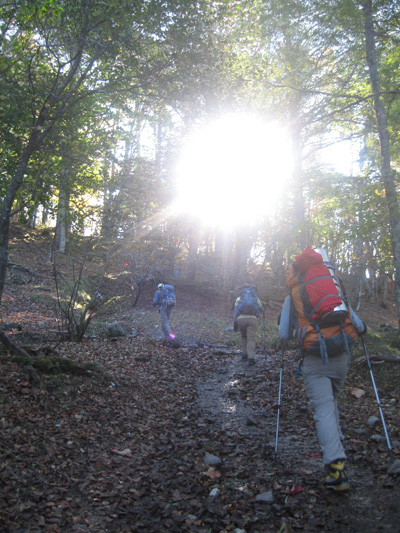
211 139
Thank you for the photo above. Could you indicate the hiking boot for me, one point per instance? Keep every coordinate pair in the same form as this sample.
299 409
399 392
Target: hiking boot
244 357
252 361
337 478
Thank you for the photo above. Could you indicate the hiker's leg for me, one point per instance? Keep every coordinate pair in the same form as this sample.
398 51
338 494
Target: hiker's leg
320 383
242 325
168 315
164 322
339 371
251 337
341 436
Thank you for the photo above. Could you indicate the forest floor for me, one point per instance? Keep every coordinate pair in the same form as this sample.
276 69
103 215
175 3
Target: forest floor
122 447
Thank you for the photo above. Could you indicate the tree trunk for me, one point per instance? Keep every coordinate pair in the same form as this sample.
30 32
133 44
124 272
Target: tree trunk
385 292
62 225
5 212
193 243
12 346
223 259
298 179
243 247
384 139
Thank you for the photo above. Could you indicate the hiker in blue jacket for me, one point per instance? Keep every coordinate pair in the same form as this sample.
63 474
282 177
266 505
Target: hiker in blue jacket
164 310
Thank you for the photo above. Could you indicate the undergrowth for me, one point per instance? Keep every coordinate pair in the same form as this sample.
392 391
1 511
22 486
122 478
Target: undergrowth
57 365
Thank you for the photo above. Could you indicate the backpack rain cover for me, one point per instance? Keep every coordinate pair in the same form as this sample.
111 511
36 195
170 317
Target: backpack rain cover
248 303
168 296
316 298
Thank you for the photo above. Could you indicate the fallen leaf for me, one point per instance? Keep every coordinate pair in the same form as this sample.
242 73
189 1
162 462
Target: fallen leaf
212 474
296 489
313 455
358 393
124 453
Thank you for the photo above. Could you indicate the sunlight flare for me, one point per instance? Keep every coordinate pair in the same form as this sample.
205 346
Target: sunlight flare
232 171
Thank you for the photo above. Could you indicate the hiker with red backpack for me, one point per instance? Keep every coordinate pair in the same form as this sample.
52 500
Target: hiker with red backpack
164 297
326 327
245 319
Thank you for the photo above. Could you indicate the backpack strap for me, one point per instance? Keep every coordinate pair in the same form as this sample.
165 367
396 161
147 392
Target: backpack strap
322 346
322 299
317 279
345 342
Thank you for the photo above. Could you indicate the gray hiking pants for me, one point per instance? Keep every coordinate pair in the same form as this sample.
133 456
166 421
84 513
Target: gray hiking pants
247 325
323 383
165 321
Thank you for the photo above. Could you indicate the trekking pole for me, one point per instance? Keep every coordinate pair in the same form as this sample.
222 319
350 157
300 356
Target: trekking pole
279 403
377 397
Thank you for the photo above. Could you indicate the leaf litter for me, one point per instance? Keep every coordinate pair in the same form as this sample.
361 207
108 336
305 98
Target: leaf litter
122 450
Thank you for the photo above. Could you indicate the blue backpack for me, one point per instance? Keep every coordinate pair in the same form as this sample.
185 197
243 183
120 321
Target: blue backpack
168 296
248 302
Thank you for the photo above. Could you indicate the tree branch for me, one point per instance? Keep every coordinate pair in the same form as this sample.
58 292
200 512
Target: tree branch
8 343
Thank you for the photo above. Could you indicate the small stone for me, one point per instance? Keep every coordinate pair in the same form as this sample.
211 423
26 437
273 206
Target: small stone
214 492
115 330
212 460
394 467
377 438
266 497
373 421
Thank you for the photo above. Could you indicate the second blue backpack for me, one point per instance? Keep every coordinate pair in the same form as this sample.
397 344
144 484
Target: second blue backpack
168 298
248 302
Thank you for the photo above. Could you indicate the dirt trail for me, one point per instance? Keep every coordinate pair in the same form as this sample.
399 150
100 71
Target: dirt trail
240 402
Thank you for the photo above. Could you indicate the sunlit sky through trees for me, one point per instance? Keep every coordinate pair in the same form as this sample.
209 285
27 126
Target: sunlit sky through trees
232 171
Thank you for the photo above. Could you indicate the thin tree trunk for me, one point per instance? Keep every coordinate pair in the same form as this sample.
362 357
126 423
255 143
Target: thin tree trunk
384 138
298 178
385 292
62 225
5 213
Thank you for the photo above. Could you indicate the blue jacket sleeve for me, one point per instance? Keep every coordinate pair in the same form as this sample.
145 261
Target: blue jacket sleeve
285 324
156 299
357 322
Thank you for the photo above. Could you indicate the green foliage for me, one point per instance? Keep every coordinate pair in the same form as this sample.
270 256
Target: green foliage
381 341
145 65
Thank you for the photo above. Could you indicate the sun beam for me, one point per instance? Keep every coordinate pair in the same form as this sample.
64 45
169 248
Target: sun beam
232 171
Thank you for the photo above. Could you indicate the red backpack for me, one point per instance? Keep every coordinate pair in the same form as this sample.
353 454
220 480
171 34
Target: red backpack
324 323
321 290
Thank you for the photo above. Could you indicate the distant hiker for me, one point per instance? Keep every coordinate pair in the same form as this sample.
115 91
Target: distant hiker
164 297
326 326
245 319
